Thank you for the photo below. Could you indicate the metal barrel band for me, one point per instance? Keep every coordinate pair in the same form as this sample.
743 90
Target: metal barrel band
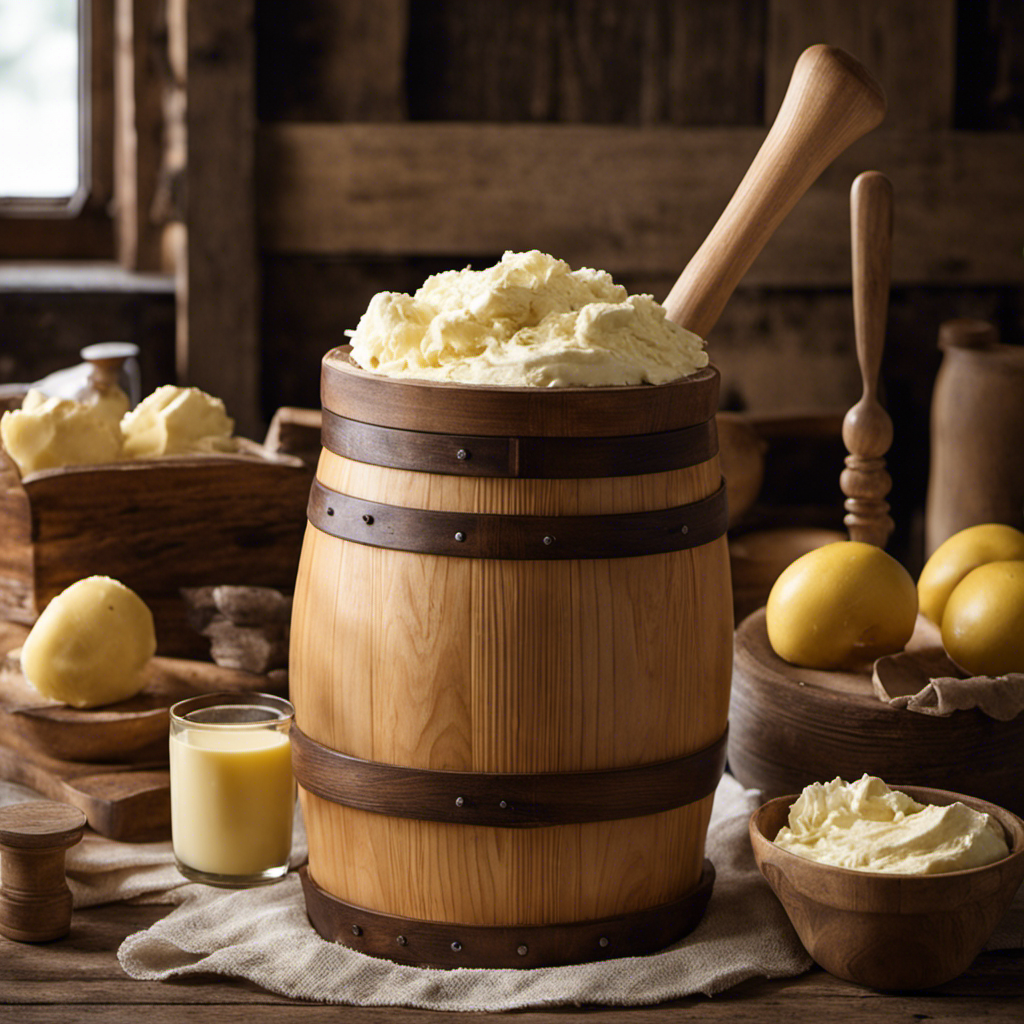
523 457
412 941
517 537
504 799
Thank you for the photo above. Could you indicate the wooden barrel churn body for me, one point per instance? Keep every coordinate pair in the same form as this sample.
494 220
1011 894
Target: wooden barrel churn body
510 663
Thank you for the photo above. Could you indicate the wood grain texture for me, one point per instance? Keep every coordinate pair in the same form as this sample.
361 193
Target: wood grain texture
789 727
831 102
218 336
976 473
910 47
482 455
518 537
133 730
121 801
482 665
412 190
35 902
332 60
441 407
430 943
139 60
867 427
893 932
659 62
505 799
78 976
155 525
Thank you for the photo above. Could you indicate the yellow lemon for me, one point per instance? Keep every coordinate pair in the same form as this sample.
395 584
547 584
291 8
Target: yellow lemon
841 605
983 624
952 560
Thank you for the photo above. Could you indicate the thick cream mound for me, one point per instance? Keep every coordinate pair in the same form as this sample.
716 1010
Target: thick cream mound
177 421
47 433
867 826
529 320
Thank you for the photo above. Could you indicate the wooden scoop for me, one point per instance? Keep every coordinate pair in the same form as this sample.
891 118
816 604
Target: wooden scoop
830 103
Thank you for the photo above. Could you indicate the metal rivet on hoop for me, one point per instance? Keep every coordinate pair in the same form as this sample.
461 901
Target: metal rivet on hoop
602 942
401 940
459 801
460 536
685 529
462 454
330 511
523 950
549 540
503 804
368 519
457 946
356 930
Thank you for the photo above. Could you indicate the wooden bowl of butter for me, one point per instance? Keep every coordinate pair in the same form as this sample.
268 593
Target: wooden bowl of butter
916 917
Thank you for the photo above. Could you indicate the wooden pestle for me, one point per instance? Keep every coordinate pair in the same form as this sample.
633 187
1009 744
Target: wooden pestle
867 428
830 103
35 902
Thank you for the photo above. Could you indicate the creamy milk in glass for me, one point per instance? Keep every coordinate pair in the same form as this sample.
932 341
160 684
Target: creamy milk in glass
232 791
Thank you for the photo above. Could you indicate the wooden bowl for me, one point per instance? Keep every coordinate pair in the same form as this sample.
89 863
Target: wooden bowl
890 931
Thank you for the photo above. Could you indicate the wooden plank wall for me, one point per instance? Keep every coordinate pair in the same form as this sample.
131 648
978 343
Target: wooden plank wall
399 138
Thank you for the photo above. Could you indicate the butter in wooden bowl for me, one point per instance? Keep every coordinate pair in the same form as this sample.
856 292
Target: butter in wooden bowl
908 885
867 826
90 644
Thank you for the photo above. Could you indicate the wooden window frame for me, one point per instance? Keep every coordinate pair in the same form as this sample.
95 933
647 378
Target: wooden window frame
82 227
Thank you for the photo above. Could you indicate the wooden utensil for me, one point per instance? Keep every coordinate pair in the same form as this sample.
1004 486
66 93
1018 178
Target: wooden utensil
35 902
830 103
867 428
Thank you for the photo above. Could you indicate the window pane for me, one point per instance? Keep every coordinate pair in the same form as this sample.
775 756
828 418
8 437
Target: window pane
39 98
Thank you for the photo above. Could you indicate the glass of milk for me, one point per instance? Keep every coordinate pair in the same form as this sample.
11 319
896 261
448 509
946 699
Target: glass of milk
232 791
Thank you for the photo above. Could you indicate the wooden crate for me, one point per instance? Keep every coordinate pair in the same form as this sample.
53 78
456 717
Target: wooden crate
155 525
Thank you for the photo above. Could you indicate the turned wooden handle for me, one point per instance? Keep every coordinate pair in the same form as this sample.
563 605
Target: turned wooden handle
867 428
830 103
871 249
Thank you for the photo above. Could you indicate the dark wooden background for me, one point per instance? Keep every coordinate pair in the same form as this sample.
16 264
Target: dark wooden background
340 147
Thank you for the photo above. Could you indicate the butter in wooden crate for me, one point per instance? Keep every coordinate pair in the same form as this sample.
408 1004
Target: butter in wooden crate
158 525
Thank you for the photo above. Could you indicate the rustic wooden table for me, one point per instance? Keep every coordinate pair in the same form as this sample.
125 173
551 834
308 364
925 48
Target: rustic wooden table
79 979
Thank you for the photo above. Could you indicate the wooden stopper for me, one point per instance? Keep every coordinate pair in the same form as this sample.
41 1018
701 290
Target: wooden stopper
35 902
867 428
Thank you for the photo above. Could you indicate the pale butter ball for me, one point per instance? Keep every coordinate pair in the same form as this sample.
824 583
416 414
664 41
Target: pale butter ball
175 421
90 644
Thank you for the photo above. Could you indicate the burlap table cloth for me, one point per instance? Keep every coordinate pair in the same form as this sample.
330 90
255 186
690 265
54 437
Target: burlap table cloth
263 935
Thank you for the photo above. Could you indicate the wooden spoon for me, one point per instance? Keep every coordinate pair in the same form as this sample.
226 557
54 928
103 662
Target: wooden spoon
830 103
867 428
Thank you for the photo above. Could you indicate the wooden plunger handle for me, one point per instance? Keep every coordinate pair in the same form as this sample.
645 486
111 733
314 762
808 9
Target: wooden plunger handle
830 103
867 428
